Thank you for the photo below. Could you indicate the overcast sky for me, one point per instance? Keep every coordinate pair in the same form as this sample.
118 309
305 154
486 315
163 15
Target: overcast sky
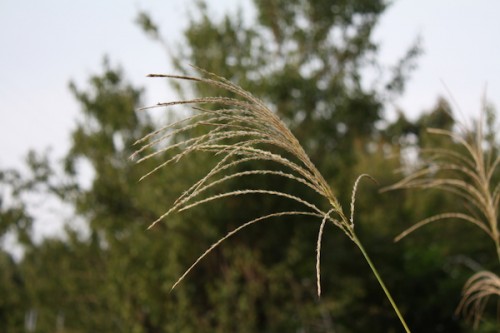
45 44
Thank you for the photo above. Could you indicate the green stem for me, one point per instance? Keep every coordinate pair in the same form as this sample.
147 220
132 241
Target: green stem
381 282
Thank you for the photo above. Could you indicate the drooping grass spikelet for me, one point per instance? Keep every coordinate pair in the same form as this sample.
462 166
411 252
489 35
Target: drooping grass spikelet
353 195
318 252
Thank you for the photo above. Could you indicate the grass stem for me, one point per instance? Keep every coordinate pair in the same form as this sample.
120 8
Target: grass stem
381 282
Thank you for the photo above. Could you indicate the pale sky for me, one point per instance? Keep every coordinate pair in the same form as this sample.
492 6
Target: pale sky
45 44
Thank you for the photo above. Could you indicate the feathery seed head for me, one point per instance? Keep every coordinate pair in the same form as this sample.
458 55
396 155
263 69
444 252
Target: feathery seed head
239 130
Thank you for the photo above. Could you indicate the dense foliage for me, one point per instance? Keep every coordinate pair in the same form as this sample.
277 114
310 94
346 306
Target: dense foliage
306 60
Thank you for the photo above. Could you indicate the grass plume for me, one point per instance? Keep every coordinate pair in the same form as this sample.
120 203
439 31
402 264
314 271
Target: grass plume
239 130
468 170
477 291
